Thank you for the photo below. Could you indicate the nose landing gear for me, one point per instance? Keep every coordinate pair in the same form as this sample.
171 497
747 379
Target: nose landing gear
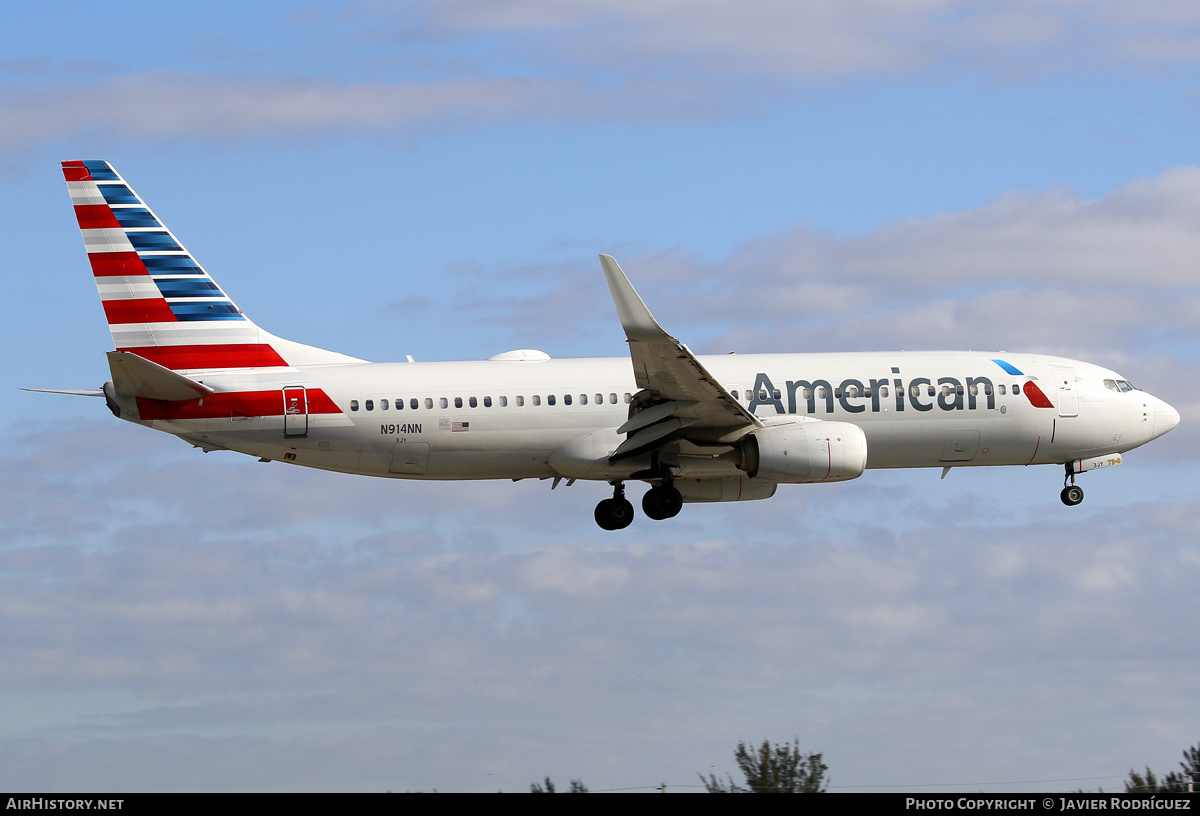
1071 494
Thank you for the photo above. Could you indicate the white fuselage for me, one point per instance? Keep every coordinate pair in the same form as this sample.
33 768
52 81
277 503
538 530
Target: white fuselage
507 420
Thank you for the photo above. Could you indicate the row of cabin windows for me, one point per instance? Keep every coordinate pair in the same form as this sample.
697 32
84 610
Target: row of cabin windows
853 391
474 402
805 393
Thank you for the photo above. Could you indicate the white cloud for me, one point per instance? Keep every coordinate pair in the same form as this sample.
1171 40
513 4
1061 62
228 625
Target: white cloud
1103 279
598 60
314 665
1142 231
235 107
817 42
183 106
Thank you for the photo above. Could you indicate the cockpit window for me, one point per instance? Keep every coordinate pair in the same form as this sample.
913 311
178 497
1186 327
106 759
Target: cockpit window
1111 385
1124 385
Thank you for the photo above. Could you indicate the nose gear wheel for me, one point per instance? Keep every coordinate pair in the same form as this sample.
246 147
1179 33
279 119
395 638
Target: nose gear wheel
1071 494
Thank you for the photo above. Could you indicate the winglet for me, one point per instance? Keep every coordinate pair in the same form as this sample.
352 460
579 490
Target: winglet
636 319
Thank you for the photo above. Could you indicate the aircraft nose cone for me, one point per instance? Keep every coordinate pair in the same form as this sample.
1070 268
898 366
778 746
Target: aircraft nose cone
1165 418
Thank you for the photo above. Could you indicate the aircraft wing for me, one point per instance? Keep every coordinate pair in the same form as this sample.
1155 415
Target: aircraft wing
679 398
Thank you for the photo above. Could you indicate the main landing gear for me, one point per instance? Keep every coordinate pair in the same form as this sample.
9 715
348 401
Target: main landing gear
615 513
662 502
1071 494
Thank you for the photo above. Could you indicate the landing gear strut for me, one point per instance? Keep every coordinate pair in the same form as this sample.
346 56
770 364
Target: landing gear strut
1071 494
615 513
662 502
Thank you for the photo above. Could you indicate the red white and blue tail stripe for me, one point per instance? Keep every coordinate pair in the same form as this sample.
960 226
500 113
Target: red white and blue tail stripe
160 302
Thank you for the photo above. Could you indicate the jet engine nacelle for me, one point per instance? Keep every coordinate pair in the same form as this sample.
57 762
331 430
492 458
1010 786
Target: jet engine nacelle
798 452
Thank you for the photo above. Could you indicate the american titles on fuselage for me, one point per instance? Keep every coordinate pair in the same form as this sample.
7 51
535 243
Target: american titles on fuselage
875 395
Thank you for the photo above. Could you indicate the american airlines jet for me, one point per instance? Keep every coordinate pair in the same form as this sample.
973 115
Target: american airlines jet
696 429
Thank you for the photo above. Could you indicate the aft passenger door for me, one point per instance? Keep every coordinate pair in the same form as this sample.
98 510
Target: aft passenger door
295 411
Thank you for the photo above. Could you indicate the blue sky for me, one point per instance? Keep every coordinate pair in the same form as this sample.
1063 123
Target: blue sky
436 179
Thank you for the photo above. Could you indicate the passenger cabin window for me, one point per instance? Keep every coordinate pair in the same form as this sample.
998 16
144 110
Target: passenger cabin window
370 405
474 403
383 405
628 398
537 399
412 403
487 402
504 402
353 405
428 403
550 399
566 399
734 394
520 401
1003 390
458 402
443 402
612 398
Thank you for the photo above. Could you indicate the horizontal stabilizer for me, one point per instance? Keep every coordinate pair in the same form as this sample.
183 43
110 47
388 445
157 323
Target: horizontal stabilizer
77 392
135 376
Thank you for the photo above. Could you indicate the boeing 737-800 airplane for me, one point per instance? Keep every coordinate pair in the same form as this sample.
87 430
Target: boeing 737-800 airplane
696 429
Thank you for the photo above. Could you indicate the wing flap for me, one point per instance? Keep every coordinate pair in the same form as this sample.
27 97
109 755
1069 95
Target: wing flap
649 416
636 442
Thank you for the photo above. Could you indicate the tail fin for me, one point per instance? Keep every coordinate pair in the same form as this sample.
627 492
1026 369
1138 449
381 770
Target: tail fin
160 303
